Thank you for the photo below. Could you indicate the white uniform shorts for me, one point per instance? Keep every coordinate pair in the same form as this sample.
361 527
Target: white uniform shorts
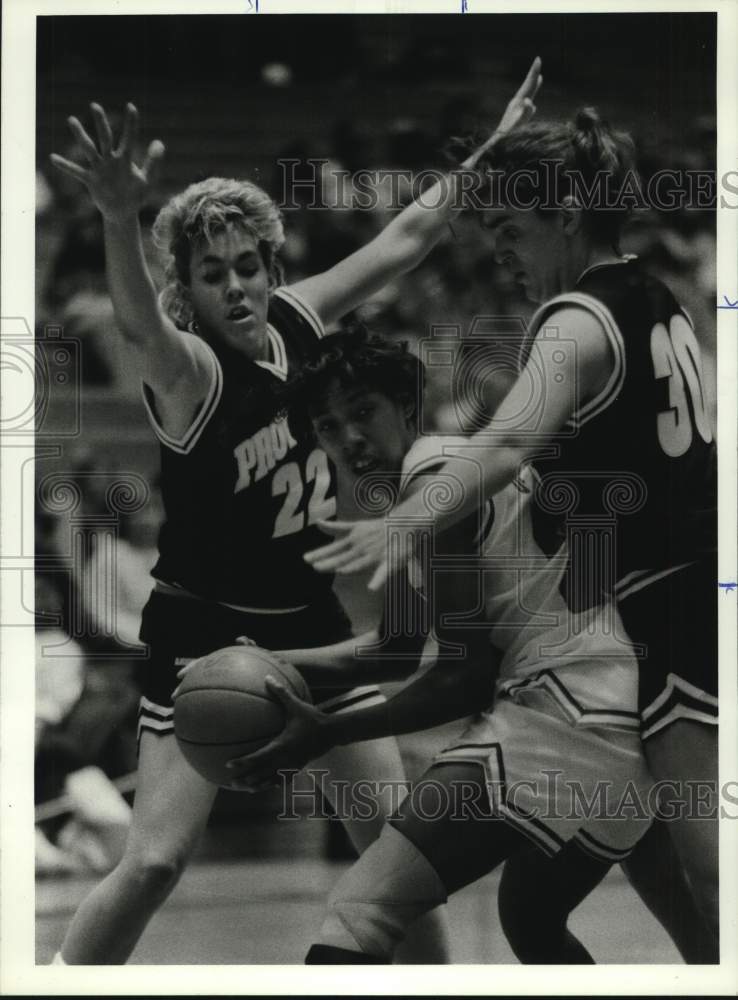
556 781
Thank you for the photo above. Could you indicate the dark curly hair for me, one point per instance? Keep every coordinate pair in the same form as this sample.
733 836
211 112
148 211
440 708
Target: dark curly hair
352 358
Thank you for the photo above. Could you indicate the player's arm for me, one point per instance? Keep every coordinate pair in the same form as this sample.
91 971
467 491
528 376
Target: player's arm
441 694
499 449
174 364
346 663
410 236
358 660
453 687
393 652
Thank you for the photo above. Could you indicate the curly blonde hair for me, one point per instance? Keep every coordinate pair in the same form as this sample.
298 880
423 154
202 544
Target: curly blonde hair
198 213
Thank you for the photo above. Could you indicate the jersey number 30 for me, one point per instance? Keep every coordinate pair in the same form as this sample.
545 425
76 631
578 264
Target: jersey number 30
676 356
289 481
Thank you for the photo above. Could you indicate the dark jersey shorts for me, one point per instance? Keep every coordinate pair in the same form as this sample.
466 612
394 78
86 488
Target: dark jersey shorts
181 627
675 618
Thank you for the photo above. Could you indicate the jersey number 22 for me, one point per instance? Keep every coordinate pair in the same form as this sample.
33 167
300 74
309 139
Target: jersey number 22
289 481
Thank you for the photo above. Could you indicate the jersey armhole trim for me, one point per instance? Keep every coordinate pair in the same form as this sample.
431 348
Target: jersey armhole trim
307 312
615 338
187 441
279 365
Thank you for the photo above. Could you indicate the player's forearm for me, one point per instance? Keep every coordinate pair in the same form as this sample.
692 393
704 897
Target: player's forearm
486 471
414 232
131 288
422 223
446 692
354 661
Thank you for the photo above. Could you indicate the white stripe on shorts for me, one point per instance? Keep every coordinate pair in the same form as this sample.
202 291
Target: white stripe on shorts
156 718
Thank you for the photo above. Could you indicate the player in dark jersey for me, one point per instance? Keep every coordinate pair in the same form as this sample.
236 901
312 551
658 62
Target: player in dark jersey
617 429
242 496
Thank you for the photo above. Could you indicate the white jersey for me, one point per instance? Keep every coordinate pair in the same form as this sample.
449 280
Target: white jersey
580 666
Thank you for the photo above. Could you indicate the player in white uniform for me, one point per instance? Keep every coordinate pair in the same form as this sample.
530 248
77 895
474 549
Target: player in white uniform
556 760
213 325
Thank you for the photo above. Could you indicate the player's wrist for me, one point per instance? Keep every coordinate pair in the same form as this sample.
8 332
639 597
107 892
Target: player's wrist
122 218
333 731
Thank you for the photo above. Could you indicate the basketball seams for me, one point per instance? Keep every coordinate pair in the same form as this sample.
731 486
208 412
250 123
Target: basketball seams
288 673
224 710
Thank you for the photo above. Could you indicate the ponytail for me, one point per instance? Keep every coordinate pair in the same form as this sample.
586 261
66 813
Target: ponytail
600 147
590 156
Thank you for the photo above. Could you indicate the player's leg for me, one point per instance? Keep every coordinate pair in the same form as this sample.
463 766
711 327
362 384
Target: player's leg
432 848
536 896
365 784
685 753
170 810
676 619
655 872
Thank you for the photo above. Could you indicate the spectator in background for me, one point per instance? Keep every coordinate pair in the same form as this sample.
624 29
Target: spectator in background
89 830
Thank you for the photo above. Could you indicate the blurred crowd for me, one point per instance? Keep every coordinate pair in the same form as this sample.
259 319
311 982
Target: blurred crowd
86 672
91 582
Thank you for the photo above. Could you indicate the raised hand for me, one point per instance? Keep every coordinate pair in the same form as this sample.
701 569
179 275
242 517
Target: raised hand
518 111
302 740
361 545
521 107
116 184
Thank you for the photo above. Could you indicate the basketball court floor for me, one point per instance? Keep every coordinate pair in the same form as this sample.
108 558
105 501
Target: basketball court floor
267 911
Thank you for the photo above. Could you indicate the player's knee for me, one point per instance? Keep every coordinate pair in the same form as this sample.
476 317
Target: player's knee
155 872
373 905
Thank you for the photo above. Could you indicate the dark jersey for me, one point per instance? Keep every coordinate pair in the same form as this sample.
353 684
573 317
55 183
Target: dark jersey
241 493
630 483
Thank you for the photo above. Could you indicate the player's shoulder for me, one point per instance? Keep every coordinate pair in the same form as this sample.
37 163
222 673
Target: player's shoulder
292 314
626 288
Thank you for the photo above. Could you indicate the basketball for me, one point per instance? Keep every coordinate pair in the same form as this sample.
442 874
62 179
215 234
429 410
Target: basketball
224 710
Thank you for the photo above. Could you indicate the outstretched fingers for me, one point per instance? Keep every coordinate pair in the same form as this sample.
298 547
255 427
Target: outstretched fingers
102 128
532 82
130 131
154 156
380 577
67 167
88 147
339 561
328 551
355 564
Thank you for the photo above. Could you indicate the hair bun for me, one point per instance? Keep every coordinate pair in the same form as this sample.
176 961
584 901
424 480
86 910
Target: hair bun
587 120
595 142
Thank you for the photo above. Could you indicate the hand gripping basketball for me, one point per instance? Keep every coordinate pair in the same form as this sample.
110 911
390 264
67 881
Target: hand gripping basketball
304 737
224 709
